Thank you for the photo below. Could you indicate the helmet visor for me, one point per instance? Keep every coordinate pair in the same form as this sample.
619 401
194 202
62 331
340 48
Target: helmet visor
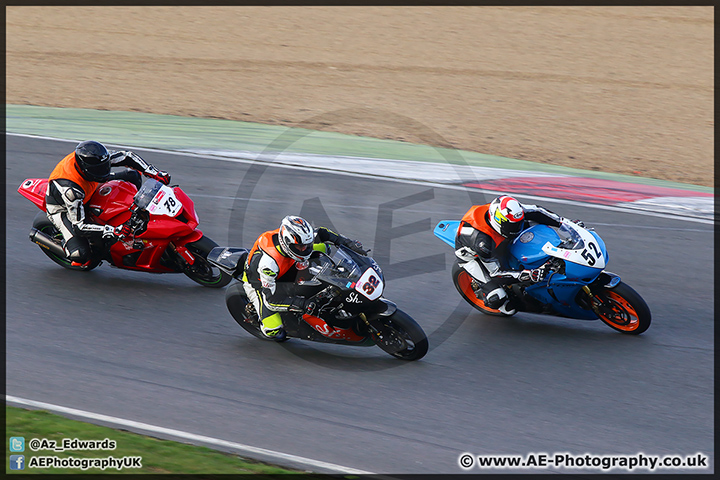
512 229
97 173
301 250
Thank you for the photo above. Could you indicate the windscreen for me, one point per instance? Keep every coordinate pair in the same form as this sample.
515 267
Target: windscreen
338 269
570 238
146 193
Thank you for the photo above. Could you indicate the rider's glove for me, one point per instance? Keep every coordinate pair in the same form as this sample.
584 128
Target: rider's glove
161 176
121 231
354 245
108 231
535 275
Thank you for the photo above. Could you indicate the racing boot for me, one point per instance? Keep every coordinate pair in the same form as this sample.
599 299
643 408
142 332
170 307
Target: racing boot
272 328
495 298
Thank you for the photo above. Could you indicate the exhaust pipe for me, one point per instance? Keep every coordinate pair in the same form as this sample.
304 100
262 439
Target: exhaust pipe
42 239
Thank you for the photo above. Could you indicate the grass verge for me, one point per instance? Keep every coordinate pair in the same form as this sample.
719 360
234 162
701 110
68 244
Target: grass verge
158 456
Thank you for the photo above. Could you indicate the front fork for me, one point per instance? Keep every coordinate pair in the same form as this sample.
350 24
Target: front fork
588 298
382 334
183 254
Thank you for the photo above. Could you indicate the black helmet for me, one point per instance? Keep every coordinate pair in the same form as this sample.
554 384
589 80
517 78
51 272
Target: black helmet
93 160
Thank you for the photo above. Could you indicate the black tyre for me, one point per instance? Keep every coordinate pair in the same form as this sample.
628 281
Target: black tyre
464 284
622 309
237 304
202 271
403 329
43 224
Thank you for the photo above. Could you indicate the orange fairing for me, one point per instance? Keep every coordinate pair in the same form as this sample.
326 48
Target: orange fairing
332 332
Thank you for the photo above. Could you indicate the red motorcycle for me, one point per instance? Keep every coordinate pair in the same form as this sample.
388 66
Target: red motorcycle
164 238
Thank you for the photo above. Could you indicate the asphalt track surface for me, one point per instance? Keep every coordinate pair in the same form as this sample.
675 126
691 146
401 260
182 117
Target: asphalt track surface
162 350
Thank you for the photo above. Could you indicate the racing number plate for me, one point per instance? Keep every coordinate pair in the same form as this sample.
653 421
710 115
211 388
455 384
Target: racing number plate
370 284
165 203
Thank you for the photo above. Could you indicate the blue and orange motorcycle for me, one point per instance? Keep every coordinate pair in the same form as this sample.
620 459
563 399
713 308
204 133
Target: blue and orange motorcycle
575 284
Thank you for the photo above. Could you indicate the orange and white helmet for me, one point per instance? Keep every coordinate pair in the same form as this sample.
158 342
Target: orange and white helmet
296 238
506 216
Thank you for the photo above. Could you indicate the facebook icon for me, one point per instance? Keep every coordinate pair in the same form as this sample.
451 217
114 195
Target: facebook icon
17 462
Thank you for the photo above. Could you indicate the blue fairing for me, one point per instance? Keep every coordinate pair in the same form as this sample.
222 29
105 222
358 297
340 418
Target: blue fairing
526 250
601 244
447 231
558 290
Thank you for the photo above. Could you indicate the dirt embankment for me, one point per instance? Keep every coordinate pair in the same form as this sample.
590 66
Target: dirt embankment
619 89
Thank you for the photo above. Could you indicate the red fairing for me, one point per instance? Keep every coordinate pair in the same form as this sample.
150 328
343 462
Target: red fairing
34 190
165 227
148 259
188 208
193 237
161 230
109 204
332 332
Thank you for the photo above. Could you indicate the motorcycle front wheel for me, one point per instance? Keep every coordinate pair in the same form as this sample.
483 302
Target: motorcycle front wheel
401 329
464 284
622 309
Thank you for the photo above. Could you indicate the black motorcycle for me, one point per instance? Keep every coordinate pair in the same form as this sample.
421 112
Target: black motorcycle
353 312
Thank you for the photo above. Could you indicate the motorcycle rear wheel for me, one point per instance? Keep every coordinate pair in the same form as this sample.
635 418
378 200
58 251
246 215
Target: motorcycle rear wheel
43 224
237 303
622 309
463 283
407 329
201 271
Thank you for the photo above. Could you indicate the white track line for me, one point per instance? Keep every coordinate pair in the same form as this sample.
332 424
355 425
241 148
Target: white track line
400 180
188 436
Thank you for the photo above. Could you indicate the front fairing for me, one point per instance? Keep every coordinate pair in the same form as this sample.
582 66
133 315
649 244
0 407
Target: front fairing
574 245
359 285
580 254
171 212
359 276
